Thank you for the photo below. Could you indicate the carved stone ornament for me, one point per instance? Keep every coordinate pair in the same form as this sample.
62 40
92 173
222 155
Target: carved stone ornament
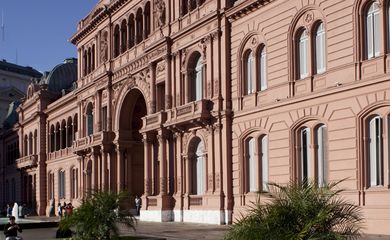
160 12
104 48
309 17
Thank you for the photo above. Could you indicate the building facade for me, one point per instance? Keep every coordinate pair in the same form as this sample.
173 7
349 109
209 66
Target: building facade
14 80
196 105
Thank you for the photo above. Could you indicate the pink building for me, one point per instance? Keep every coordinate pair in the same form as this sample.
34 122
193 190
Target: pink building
196 105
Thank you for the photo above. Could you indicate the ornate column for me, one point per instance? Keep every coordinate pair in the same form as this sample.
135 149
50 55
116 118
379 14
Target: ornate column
147 140
95 159
162 156
168 81
120 169
104 178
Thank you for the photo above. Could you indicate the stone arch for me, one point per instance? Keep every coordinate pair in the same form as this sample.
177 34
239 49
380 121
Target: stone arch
131 84
305 19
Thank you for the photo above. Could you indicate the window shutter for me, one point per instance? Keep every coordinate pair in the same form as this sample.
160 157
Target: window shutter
377 32
370 51
264 162
263 70
252 165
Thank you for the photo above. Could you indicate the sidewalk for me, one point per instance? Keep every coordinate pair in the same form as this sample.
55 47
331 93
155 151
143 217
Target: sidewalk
168 231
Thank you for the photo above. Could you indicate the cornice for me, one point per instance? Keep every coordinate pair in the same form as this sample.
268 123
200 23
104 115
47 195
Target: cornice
244 8
101 16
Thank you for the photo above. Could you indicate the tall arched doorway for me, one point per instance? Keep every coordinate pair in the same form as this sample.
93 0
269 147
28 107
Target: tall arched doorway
130 139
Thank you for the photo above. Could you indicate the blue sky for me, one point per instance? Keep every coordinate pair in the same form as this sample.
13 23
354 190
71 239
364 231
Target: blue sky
37 31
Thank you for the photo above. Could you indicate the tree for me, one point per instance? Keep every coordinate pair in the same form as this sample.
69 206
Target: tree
300 212
98 216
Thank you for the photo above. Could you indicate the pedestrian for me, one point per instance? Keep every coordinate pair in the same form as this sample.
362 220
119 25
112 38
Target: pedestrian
11 230
9 210
64 209
138 204
59 210
70 209
21 211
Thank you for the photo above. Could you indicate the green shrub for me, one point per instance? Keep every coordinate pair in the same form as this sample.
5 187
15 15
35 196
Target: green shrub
300 212
98 216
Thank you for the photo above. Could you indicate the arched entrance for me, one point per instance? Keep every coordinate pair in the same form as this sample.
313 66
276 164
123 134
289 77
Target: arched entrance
130 140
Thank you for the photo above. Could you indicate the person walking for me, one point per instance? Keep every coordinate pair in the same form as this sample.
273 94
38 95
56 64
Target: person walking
9 210
11 230
138 204
59 210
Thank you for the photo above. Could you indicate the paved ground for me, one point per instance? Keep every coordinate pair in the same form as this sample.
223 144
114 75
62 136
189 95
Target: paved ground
168 231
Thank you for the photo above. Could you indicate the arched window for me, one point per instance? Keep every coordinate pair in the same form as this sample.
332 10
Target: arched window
196 77
148 21
321 155
61 184
198 169
256 165
116 41
35 142
7 192
57 134
74 183
193 4
373 34
13 189
85 56
89 61
50 184
303 46
304 161
184 7
69 132
249 87
93 57
131 31
140 25
375 151
124 36
63 134
311 153
89 120
52 139
262 69
320 48
30 144
75 126
25 151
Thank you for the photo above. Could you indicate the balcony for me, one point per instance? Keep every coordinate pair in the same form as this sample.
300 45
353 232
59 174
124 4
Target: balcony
27 162
191 114
154 121
60 153
96 139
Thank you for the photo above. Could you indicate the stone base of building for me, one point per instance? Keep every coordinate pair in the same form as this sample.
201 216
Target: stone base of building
191 216
156 215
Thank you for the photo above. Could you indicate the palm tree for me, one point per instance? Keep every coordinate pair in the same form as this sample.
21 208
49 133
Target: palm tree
300 211
98 216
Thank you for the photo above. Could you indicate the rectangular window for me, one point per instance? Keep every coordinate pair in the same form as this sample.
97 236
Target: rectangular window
61 185
375 156
251 165
104 118
160 97
305 154
321 156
